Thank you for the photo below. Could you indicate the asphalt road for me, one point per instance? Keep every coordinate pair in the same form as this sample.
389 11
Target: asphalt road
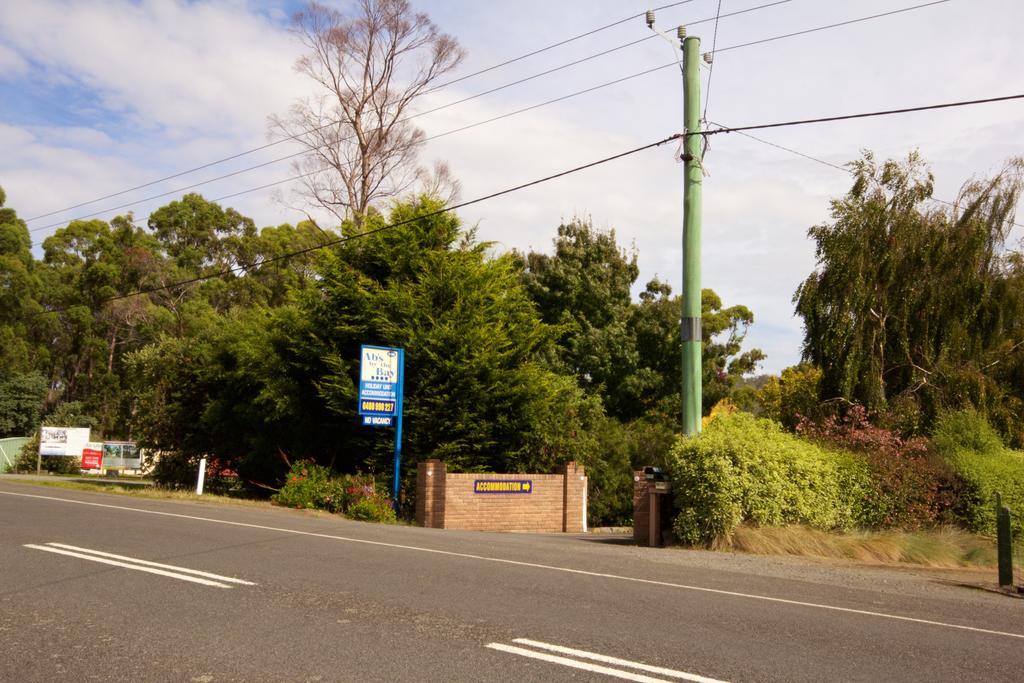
292 596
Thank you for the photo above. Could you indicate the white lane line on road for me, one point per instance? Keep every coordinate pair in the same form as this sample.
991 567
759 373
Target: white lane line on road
126 565
182 570
605 659
565 661
519 563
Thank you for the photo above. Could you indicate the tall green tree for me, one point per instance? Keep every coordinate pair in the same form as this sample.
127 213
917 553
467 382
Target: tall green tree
478 393
655 385
233 387
255 386
583 289
90 273
913 300
21 403
19 292
626 352
201 236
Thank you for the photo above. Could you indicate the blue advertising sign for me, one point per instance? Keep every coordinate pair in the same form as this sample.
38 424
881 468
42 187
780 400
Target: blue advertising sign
381 381
378 382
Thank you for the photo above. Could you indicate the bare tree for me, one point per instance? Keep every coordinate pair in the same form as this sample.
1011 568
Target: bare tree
359 144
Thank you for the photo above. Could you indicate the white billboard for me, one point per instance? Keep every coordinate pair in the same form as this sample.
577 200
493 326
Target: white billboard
64 441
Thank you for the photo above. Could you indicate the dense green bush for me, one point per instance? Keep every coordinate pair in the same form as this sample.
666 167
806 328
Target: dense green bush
747 469
913 486
372 509
966 430
312 486
974 450
315 487
618 450
792 396
175 471
28 458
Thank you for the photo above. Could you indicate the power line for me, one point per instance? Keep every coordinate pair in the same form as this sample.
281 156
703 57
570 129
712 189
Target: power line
788 149
711 71
551 47
863 115
286 139
241 171
341 240
432 137
838 167
841 23
513 113
596 55
721 129
408 118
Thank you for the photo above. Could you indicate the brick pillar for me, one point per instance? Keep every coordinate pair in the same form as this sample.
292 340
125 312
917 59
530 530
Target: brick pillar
641 509
430 483
574 487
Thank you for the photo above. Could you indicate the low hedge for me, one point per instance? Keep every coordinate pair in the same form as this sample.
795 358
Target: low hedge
746 469
985 466
313 486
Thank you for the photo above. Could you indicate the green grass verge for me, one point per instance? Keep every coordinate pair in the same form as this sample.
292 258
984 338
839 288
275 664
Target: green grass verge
138 491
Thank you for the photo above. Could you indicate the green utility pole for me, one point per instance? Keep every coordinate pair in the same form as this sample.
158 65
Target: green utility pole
691 331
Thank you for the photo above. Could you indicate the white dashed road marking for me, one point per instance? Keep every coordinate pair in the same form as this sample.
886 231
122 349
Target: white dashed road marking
595 657
181 573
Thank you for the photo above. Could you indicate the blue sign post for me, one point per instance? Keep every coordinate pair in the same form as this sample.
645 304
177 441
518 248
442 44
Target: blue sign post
381 392
398 426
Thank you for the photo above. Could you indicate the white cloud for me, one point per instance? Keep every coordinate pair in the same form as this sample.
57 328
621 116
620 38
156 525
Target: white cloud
74 137
12 64
179 66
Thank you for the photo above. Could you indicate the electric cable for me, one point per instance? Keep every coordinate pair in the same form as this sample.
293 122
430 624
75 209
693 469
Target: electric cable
427 139
707 91
706 133
837 25
519 111
711 70
278 142
862 115
838 167
390 226
552 46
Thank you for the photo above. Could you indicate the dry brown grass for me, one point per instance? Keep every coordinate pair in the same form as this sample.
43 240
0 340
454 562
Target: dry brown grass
944 547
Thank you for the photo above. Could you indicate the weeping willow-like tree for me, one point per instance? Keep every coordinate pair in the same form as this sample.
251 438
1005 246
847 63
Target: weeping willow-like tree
918 301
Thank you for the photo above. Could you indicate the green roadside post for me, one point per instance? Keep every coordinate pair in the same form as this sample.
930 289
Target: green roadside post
694 177
1004 544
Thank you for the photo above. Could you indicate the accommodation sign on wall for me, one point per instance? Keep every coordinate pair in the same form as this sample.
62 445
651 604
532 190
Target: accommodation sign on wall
503 486
378 385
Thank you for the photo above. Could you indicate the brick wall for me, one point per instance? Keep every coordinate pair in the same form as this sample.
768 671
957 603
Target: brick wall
447 500
643 533
641 510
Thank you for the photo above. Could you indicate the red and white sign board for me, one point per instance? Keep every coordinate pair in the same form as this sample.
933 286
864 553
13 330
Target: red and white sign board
92 456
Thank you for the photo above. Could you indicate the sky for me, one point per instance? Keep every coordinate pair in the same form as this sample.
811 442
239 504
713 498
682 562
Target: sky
99 96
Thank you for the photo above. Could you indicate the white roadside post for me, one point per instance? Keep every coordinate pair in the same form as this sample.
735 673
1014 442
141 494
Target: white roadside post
202 476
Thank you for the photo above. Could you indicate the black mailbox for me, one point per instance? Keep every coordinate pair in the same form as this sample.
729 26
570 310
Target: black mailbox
651 508
654 474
